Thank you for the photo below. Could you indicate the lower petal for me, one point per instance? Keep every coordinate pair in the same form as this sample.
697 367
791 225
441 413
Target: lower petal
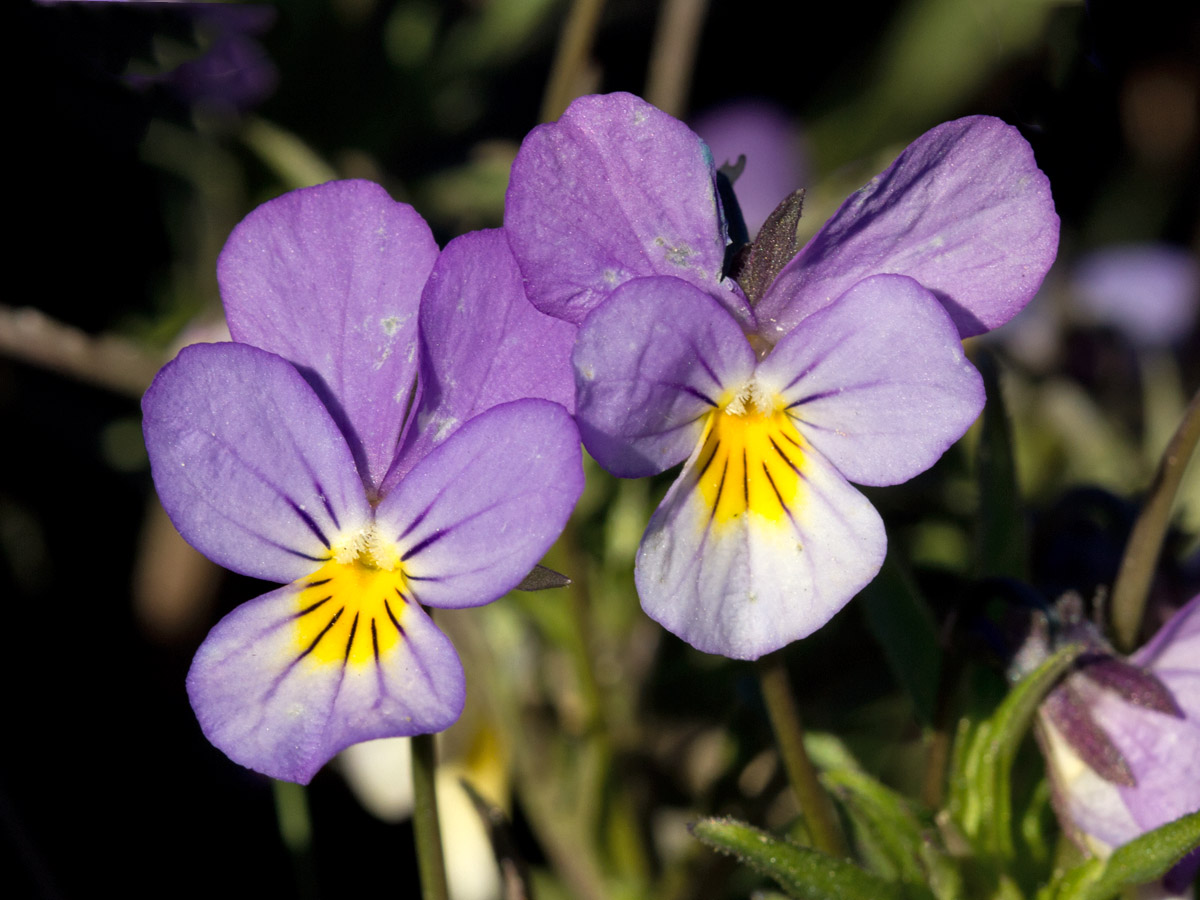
743 579
282 696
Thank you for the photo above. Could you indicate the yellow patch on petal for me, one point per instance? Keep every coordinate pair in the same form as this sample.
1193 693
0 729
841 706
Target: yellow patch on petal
752 458
351 610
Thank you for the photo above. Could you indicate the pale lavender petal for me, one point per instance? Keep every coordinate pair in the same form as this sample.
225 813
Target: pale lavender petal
1149 291
745 585
330 278
775 157
650 363
1176 646
247 462
1163 751
877 381
613 190
964 210
475 515
482 343
273 701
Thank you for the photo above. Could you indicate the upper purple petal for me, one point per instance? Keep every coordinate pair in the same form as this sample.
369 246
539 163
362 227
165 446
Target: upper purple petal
877 381
650 363
615 189
247 462
330 278
964 210
475 515
482 343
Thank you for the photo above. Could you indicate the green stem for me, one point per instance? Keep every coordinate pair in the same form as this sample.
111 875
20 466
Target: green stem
426 832
673 55
815 805
1132 587
295 830
571 59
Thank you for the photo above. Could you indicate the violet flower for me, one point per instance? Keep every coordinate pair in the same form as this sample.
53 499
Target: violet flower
841 364
1122 739
366 443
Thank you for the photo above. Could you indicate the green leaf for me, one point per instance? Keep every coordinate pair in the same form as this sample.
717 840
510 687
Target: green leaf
1144 859
804 873
901 621
889 835
1000 539
981 793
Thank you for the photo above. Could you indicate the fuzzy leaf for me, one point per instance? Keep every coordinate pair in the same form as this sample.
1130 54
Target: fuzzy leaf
804 873
982 795
1144 859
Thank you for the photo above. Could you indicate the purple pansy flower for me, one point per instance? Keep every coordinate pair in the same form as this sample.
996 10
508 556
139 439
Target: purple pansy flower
1122 738
841 364
380 438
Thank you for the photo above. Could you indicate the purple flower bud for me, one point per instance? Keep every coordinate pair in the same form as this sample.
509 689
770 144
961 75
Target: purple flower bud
1122 740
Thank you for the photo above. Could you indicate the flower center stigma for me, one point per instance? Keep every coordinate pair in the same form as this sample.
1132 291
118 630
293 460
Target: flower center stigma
351 610
752 457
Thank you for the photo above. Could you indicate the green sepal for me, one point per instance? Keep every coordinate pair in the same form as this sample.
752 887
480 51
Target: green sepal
804 873
773 248
1144 859
981 789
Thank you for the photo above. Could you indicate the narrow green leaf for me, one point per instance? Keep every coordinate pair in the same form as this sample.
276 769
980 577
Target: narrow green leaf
804 873
1144 859
901 622
1000 540
884 824
982 800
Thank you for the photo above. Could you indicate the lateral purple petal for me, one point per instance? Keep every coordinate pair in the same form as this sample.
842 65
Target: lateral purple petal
964 210
269 703
615 189
877 381
247 462
650 364
475 515
330 278
482 343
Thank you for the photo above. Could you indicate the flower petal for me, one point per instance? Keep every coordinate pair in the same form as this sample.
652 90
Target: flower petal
747 581
248 463
269 701
475 515
877 381
964 210
650 363
1176 646
615 189
482 343
330 278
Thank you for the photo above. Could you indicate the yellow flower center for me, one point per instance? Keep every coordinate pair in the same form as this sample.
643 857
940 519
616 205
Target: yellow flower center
752 458
351 610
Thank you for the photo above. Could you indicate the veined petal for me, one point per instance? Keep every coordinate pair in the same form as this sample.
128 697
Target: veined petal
615 189
877 381
330 278
650 364
286 681
475 515
758 543
964 210
247 462
482 343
